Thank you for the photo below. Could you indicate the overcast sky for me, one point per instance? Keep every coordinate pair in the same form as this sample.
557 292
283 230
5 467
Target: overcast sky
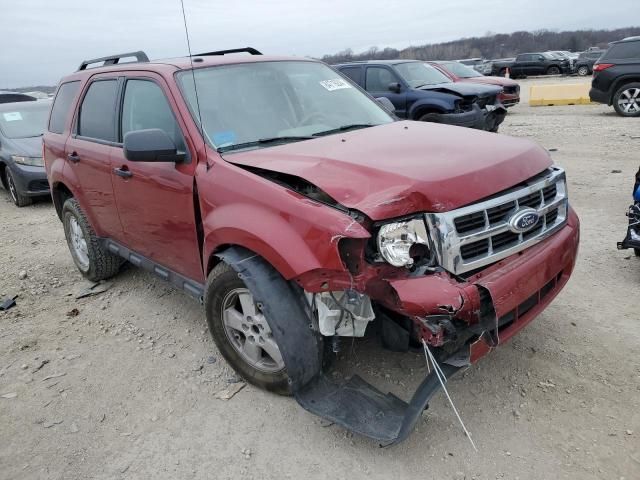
43 40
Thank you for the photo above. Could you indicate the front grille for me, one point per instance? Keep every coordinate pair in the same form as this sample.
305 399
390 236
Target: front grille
472 237
484 101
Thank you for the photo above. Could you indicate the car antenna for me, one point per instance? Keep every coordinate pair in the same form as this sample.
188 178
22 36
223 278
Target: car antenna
193 76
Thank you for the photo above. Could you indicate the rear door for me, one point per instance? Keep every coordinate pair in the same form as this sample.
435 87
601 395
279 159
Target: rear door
377 81
88 151
156 199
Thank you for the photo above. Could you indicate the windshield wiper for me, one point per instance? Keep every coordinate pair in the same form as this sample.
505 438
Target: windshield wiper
262 141
343 128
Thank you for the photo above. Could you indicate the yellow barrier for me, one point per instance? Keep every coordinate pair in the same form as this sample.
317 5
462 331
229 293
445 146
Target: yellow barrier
567 94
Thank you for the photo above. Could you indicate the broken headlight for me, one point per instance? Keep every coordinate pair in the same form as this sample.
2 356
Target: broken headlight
400 242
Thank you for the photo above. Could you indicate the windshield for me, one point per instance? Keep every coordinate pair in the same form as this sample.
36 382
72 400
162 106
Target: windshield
460 70
24 119
263 103
418 74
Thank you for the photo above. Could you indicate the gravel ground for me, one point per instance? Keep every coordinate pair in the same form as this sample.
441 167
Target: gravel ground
123 384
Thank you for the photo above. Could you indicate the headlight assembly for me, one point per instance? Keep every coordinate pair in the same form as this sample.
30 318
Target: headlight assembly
29 161
396 241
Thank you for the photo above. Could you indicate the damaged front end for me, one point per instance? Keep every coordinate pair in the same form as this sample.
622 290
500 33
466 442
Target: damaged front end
458 282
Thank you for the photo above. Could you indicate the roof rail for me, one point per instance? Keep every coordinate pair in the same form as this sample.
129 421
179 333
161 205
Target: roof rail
114 59
250 50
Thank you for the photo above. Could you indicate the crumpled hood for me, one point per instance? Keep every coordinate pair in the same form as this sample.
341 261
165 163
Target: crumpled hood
404 167
497 81
464 89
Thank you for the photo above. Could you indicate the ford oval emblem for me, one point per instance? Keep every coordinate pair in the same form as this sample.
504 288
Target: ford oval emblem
524 220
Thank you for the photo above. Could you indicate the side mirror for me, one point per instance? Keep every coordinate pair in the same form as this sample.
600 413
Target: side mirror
152 145
394 87
386 104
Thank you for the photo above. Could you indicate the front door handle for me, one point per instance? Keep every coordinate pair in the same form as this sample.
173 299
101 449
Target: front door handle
123 172
73 157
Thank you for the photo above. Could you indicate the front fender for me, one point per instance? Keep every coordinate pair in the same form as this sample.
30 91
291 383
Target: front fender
293 233
439 105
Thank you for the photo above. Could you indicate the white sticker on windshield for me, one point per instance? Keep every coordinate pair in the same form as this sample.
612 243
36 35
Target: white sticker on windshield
12 116
335 84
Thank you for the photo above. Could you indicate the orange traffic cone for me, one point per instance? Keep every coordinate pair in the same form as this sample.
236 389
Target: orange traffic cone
507 74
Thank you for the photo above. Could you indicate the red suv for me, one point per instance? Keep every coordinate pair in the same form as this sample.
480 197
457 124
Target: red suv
298 210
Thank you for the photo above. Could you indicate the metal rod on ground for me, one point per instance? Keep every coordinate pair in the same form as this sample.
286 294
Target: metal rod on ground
436 368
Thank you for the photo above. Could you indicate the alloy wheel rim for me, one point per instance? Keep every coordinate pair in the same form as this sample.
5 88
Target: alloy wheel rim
629 101
12 188
249 333
78 243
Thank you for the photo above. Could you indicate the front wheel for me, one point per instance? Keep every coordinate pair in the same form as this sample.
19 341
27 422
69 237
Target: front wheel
626 101
583 71
242 332
430 117
553 70
18 199
93 260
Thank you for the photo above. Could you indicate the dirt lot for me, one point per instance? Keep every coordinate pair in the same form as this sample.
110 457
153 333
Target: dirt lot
126 389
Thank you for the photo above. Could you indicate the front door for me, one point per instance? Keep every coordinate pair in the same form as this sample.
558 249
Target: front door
156 199
377 81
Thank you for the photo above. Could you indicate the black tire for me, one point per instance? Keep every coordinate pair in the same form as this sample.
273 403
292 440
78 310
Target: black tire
430 117
553 70
618 97
221 282
637 251
582 70
102 264
18 199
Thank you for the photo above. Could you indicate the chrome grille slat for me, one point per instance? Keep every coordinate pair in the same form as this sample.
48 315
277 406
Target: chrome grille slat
477 235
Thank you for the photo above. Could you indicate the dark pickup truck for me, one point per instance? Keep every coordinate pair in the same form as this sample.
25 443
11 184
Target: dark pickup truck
531 64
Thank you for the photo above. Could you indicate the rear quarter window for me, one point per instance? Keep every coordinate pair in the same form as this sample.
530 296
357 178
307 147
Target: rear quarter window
623 51
62 106
354 73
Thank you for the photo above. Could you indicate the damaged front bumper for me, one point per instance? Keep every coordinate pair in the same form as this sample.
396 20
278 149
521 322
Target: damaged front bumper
462 319
488 118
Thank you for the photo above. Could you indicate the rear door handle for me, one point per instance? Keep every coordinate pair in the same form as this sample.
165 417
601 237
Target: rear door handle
73 157
123 172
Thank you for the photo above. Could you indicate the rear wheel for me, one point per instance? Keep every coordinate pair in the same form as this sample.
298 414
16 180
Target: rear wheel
553 70
19 199
583 71
242 333
626 101
93 260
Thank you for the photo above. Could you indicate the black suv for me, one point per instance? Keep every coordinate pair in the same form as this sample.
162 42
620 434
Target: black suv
585 61
419 91
616 77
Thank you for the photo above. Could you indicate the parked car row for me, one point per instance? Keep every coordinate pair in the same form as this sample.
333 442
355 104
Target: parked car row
537 63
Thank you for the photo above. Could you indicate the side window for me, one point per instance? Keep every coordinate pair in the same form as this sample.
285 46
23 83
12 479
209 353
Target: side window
522 58
98 110
354 73
621 51
145 106
62 105
540 58
378 79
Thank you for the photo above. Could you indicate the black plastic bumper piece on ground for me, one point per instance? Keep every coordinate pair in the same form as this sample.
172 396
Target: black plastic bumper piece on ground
355 405
363 409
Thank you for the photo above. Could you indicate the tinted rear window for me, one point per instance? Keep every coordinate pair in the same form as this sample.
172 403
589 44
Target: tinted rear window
624 50
97 113
62 105
354 73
